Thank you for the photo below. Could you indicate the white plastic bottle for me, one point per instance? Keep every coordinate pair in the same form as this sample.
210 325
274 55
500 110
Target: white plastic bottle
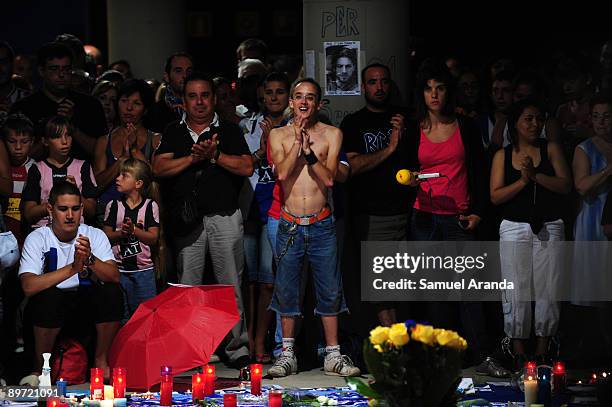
44 380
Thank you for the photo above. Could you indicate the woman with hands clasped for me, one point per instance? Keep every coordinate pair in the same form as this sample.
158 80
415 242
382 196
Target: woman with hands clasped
529 177
130 139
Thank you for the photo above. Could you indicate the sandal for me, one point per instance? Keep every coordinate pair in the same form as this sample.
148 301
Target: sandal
263 358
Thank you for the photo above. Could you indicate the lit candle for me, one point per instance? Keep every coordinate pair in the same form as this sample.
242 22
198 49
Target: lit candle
119 381
209 380
544 391
109 392
230 400
530 369
256 372
96 386
558 378
61 387
53 401
165 391
531 391
197 386
275 399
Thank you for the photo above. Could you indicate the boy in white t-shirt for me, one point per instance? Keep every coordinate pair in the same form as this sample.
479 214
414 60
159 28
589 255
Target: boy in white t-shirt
67 268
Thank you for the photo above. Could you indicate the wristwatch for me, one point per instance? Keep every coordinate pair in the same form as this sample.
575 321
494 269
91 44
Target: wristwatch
90 260
215 157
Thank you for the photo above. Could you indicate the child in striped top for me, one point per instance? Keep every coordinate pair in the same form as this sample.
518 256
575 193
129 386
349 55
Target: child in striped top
132 226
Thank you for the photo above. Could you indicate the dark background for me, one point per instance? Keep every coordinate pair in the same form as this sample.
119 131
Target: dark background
531 32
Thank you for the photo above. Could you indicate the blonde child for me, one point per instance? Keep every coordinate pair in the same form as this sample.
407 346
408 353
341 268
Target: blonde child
132 226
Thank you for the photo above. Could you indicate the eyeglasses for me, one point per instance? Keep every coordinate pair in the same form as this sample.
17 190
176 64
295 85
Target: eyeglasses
605 117
308 97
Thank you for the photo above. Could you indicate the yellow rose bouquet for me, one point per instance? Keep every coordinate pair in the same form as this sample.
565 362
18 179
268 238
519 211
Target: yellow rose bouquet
413 365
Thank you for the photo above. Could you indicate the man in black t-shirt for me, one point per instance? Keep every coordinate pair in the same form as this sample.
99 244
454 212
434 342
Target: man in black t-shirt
201 155
376 149
56 98
165 111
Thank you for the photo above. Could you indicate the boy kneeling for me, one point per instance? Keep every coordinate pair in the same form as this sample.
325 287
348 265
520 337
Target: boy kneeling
68 271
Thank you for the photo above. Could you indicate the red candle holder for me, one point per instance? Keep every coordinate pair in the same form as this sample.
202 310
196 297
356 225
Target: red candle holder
209 380
53 402
165 389
96 386
530 369
230 400
559 378
119 382
275 399
197 386
256 373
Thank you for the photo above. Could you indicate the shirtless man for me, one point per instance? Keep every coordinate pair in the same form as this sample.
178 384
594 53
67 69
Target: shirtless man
306 161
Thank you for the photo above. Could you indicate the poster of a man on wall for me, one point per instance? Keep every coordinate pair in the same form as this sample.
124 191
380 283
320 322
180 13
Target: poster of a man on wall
342 68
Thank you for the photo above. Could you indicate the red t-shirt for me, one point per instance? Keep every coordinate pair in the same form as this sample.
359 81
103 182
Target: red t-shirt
447 195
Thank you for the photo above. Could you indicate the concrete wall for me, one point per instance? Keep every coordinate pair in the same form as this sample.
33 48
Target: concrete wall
381 27
145 32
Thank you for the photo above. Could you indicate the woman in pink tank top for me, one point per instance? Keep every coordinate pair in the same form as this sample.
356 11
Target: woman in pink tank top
450 207
444 207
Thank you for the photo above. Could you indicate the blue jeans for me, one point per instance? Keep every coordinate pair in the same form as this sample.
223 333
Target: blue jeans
137 288
258 257
426 226
318 241
272 229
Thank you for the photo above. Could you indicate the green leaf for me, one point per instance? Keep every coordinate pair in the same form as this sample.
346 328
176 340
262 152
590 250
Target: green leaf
363 388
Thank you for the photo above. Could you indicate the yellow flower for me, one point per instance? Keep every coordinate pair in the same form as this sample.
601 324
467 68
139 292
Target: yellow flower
379 335
378 348
424 333
398 334
450 339
373 403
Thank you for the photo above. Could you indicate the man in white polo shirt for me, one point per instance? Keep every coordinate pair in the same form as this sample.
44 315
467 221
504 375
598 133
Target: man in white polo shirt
68 271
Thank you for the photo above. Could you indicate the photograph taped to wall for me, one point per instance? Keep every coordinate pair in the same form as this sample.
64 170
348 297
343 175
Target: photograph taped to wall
342 68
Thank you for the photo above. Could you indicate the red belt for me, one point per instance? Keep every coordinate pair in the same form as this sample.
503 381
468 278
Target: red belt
306 219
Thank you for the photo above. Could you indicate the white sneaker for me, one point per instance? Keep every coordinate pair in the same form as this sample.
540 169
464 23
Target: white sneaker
340 365
284 365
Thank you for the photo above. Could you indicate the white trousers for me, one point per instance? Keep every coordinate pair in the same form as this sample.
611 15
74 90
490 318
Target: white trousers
533 264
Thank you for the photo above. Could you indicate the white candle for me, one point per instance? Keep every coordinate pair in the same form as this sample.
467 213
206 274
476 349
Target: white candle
109 393
531 391
106 403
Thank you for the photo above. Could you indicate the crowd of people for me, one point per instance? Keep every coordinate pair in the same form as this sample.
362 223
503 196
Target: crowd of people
114 186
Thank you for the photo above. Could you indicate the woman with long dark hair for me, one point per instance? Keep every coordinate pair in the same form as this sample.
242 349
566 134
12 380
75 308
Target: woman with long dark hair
450 207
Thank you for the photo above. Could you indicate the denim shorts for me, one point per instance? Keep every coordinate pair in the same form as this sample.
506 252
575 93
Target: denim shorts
138 286
318 242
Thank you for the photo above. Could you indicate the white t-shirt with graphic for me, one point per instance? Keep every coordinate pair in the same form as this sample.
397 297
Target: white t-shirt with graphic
43 252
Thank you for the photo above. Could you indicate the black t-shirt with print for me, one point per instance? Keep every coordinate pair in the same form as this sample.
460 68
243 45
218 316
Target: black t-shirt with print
376 192
88 116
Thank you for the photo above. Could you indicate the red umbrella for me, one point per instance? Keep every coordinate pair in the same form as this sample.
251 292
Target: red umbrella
181 328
